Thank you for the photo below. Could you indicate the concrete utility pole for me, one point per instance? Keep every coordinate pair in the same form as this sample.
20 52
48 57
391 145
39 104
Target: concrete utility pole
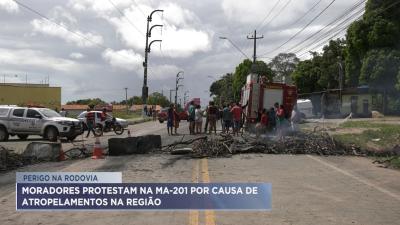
126 99
254 37
178 78
145 88
170 95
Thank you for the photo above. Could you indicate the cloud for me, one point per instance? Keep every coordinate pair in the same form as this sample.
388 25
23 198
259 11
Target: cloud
163 72
48 28
35 58
61 16
180 35
9 6
124 59
76 55
101 6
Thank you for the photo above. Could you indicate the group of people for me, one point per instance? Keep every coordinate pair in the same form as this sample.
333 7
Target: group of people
276 119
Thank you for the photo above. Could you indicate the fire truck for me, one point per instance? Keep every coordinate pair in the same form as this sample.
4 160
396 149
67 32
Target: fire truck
261 94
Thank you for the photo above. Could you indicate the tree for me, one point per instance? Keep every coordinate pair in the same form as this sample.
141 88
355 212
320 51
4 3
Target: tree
283 65
244 69
222 89
88 101
378 30
157 98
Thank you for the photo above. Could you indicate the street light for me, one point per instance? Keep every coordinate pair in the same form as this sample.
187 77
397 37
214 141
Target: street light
234 45
178 78
145 88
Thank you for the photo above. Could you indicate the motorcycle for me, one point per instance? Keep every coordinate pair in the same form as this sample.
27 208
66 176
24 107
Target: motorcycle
108 126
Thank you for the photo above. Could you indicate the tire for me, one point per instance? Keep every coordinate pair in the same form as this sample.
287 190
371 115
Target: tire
98 130
118 130
161 121
4 134
22 136
51 134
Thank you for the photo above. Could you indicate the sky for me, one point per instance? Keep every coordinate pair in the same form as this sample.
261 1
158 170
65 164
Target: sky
95 49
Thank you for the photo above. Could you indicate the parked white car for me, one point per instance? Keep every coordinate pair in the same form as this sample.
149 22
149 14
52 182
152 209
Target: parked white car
24 121
82 118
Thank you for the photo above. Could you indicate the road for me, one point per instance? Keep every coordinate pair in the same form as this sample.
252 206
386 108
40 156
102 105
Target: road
305 189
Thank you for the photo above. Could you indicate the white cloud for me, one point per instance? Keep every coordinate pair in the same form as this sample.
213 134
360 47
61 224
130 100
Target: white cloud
76 55
34 58
9 6
101 6
125 59
254 11
179 35
46 27
163 72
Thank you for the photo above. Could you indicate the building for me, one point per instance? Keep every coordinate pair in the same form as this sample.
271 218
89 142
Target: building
30 95
333 103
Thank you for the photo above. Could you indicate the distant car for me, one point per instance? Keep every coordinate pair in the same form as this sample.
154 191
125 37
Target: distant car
163 115
82 118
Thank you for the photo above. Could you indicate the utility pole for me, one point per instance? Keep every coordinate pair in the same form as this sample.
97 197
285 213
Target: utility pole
254 37
145 88
170 95
185 97
178 78
126 99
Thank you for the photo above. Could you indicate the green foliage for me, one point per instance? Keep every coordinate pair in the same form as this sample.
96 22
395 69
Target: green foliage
222 89
88 101
380 69
322 71
244 69
373 46
283 66
158 99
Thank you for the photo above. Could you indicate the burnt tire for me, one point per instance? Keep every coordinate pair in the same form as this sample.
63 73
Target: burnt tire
4 134
22 136
161 121
51 134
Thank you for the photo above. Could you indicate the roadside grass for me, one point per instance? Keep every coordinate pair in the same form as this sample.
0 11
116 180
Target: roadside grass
381 135
378 136
127 116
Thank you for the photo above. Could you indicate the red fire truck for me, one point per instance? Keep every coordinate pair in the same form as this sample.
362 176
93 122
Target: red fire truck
263 95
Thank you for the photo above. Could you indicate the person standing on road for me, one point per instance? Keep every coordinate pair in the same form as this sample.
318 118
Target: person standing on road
212 113
170 119
280 115
176 119
227 118
192 117
237 118
206 116
63 113
154 113
90 122
198 119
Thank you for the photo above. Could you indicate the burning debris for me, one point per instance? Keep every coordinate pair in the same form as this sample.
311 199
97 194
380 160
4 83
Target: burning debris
320 143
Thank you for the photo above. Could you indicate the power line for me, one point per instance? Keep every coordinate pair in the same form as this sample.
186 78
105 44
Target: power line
126 18
66 28
297 33
276 16
305 14
137 5
269 13
340 17
345 27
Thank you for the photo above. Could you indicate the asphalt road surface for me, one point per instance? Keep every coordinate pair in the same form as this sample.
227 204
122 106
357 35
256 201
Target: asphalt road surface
305 189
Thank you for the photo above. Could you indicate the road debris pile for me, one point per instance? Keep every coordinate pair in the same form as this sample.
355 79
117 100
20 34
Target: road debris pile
10 160
316 143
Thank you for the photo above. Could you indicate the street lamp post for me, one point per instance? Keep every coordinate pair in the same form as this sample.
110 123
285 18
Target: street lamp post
234 45
178 78
145 88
